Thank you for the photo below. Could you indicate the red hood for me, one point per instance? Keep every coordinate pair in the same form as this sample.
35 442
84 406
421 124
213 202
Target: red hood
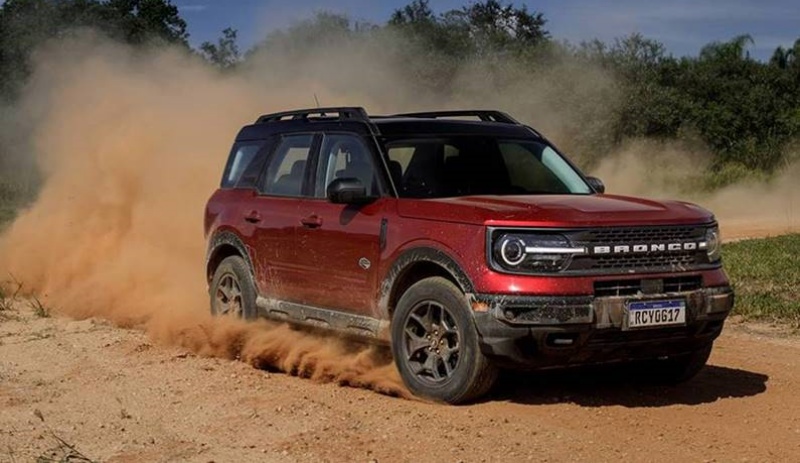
554 210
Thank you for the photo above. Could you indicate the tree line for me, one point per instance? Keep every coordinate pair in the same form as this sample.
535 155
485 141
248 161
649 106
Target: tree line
747 112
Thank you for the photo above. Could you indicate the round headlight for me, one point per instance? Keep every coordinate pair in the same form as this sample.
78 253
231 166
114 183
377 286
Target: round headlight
713 244
512 250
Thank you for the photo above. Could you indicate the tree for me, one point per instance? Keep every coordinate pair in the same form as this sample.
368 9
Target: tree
782 57
225 53
734 49
323 28
416 12
492 26
786 58
138 21
26 24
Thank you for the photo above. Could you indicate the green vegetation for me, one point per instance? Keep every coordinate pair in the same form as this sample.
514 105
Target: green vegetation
766 277
39 309
9 198
744 111
27 24
9 295
7 212
13 195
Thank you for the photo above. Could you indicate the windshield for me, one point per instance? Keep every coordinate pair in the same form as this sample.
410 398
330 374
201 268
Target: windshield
470 165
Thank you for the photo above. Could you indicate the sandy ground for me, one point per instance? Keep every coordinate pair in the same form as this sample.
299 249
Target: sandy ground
89 388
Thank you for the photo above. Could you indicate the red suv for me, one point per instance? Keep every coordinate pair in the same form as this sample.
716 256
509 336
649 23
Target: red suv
466 241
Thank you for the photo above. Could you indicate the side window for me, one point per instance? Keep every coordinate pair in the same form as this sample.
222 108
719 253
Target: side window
287 167
345 156
418 168
402 156
241 157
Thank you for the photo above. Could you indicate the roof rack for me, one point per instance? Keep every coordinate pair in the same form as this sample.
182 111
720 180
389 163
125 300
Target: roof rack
333 113
484 115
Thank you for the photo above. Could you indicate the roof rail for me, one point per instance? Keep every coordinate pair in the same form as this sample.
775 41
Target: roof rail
335 113
484 115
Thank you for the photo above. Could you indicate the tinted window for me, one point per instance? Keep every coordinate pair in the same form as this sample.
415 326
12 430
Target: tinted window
537 168
464 166
241 157
287 167
345 156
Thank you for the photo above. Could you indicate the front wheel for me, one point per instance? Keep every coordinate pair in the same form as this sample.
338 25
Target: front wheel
232 290
435 344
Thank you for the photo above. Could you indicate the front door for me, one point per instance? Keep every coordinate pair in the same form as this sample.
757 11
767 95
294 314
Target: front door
339 244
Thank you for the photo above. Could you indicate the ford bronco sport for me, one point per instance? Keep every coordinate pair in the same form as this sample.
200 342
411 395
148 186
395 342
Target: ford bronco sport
463 239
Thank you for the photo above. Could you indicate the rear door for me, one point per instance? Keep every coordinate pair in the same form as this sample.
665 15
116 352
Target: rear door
274 213
339 244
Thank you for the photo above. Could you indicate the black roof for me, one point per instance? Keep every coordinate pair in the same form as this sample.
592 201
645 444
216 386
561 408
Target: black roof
410 126
484 122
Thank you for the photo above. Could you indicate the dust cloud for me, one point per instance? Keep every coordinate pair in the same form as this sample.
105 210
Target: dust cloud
747 209
131 143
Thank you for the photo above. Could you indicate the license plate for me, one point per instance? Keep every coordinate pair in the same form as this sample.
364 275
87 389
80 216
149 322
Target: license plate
646 314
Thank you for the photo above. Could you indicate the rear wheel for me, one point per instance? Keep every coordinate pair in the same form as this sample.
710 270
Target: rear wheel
435 344
232 291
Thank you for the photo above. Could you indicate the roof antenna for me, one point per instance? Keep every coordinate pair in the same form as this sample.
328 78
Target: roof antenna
316 100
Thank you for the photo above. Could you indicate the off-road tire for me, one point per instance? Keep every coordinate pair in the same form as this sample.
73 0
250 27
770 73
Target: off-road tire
678 369
472 375
233 269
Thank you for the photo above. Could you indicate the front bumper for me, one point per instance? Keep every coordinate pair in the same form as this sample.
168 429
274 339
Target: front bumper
555 331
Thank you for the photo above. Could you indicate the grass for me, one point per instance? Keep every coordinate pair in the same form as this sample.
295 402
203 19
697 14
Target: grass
39 309
766 278
9 291
63 452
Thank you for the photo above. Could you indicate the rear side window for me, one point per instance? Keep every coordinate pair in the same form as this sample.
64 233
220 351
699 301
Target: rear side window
242 156
287 167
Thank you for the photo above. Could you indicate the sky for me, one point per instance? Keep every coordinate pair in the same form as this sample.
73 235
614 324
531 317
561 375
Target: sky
683 26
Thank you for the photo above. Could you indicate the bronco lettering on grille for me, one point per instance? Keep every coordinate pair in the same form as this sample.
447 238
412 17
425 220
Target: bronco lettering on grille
645 248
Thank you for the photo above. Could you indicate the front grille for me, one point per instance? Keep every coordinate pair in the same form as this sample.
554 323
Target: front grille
648 286
617 288
682 284
677 261
638 262
644 234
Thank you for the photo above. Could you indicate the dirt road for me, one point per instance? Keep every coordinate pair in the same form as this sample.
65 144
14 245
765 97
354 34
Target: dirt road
113 396
739 229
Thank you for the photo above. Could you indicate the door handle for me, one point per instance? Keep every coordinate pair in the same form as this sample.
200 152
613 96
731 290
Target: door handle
312 221
253 217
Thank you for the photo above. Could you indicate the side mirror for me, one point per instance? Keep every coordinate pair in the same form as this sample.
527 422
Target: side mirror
348 191
596 184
